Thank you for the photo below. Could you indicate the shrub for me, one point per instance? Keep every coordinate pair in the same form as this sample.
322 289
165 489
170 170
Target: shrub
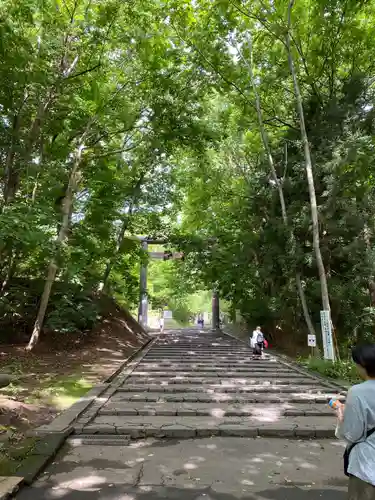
69 313
71 309
342 370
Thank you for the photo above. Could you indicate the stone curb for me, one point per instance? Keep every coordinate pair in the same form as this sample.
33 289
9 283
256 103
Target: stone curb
64 422
9 486
42 453
31 466
286 361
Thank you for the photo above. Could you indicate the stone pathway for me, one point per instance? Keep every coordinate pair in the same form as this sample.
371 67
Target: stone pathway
218 468
196 417
201 384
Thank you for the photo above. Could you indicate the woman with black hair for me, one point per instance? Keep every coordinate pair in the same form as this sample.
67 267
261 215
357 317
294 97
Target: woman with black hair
356 424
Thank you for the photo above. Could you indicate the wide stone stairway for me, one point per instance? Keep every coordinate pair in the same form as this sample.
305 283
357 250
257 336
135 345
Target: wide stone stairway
193 383
195 417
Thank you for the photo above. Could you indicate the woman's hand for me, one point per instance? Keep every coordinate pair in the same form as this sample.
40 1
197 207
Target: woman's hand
340 413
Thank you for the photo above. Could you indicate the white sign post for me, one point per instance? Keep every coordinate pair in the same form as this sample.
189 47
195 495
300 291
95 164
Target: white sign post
168 315
311 340
325 322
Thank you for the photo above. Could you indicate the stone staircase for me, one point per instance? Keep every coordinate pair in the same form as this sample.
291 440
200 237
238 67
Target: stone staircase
196 384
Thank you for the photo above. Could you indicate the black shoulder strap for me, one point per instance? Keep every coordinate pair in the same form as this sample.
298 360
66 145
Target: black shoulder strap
368 434
349 449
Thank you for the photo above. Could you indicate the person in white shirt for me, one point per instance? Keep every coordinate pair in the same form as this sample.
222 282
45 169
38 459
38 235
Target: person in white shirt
161 323
356 425
257 341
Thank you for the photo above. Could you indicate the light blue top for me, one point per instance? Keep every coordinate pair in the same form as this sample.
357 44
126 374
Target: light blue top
359 417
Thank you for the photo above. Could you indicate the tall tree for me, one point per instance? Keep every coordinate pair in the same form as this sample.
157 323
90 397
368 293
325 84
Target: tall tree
309 172
276 179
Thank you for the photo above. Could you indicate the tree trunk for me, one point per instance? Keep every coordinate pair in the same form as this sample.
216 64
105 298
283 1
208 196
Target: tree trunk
305 309
371 280
263 132
10 174
143 294
12 171
10 272
309 172
215 309
51 275
264 136
62 236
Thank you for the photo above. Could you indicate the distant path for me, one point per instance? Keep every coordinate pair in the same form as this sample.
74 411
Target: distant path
205 391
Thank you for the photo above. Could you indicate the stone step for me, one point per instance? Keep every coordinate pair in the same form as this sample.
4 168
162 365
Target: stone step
261 410
290 389
199 340
98 440
199 349
198 353
253 363
205 347
190 427
221 360
250 380
251 397
155 367
210 346
195 350
240 362
212 365
213 362
214 373
207 342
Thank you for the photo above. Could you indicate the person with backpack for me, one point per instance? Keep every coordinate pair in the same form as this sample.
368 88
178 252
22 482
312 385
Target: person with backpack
356 425
257 341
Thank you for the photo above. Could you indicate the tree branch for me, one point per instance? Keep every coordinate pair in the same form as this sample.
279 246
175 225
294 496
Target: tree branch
89 70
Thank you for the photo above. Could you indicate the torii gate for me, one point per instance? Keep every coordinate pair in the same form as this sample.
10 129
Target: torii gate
143 296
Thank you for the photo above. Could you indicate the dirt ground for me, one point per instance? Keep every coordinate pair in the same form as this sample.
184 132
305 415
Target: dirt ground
47 380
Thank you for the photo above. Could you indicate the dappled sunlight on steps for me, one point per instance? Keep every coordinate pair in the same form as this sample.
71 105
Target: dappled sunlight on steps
195 384
230 468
